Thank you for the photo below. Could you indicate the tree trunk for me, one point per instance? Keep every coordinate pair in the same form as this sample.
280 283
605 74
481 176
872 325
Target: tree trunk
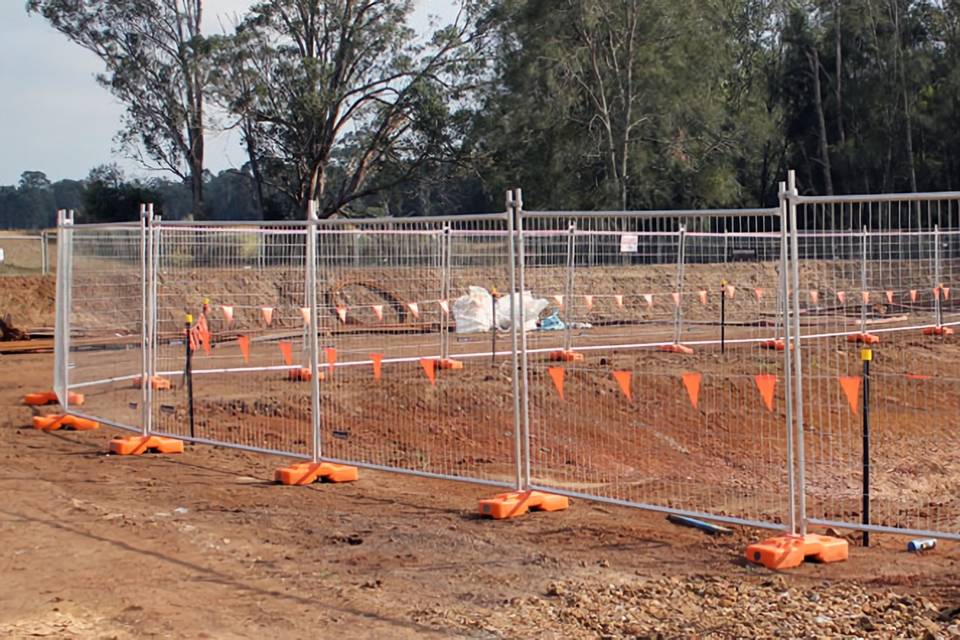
814 58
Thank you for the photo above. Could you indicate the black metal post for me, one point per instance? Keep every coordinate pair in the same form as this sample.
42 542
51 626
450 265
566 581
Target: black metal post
866 355
188 373
723 316
493 328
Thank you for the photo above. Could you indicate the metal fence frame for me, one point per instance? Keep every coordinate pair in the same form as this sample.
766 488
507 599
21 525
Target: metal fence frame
781 242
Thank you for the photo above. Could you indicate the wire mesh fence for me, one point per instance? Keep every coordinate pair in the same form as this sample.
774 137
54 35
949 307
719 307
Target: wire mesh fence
23 254
880 429
661 386
647 359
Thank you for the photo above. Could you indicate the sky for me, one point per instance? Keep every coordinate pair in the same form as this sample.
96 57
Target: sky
55 118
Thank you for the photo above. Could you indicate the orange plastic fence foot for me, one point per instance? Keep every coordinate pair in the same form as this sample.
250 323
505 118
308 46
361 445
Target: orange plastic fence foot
302 375
137 445
517 503
49 397
60 421
310 472
787 552
675 348
447 363
157 383
776 344
565 356
938 331
864 338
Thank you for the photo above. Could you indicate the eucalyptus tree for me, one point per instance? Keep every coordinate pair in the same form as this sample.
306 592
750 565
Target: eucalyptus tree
155 58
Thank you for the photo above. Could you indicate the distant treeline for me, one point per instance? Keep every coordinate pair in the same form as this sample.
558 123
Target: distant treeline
585 104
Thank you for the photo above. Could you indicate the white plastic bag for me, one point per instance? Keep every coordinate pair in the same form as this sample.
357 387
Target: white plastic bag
532 307
473 312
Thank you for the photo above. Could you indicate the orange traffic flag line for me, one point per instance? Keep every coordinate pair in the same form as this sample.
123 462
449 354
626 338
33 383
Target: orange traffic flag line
286 348
851 388
557 375
430 369
377 359
691 382
624 379
766 384
244 343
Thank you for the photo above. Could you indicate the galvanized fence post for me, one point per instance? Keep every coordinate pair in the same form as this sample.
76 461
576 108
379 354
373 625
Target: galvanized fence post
311 330
794 232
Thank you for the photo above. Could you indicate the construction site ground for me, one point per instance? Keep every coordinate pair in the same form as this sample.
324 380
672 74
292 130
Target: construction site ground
205 545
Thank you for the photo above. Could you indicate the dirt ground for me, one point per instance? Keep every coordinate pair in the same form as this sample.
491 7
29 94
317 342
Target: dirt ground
203 545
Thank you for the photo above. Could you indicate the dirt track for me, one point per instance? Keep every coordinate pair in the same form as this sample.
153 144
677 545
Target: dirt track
202 545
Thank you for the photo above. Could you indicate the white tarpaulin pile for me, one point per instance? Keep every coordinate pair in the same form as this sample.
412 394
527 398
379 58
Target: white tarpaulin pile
474 312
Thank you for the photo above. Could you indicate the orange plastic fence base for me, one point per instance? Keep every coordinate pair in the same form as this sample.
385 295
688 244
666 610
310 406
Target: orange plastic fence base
565 356
938 331
157 383
302 375
517 503
864 338
310 472
49 397
676 348
54 422
447 363
777 344
137 445
787 552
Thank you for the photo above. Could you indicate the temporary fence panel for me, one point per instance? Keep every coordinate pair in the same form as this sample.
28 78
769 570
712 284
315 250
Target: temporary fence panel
23 254
246 349
661 384
414 379
100 331
880 428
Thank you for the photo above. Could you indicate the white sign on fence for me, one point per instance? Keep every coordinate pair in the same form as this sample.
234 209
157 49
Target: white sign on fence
629 242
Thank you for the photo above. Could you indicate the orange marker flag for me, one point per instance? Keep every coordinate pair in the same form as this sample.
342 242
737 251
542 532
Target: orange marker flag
378 309
889 297
414 309
286 348
559 300
851 388
342 312
913 295
865 296
305 312
244 343
227 313
842 297
936 293
703 297
691 381
589 301
731 290
429 368
649 299
444 306
377 359
331 354
619 299
758 293
767 384
676 298
814 297
204 331
556 374
267 313
946 293
623 379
